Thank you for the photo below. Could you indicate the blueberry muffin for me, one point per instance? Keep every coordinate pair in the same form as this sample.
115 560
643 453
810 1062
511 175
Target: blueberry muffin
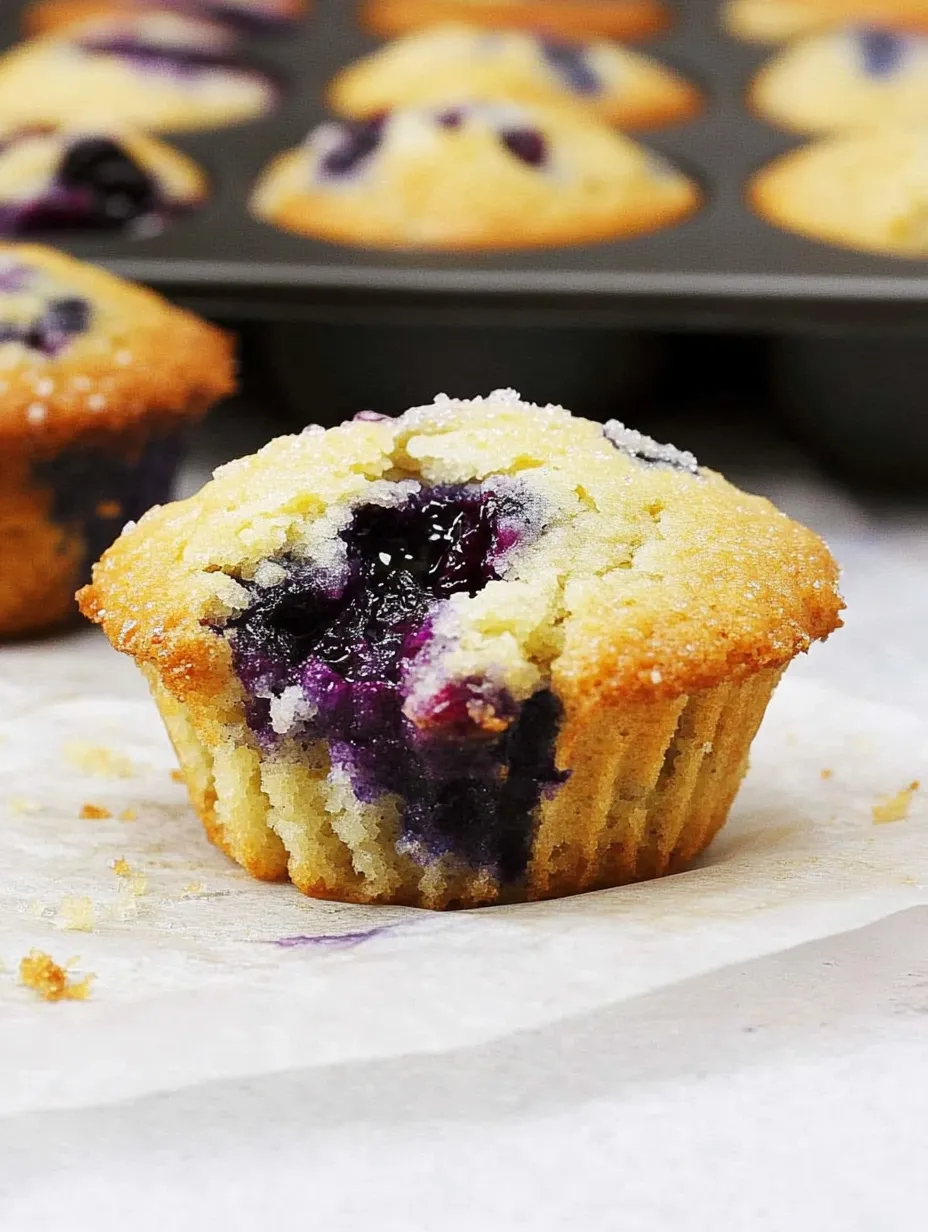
625 19
156 71
54 180
483 652
466 62
866 190
98 381
844 79
472 176
255 16
774 21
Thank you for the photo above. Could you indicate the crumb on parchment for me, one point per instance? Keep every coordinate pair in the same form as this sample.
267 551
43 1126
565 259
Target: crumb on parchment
98 760
137 882
76 915
896 807
828 774
22 804
94 812
128 814
50 981
177 776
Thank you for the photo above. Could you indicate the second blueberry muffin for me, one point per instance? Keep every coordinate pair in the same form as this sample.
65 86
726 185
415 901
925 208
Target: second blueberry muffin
472 176
465 62
480 653
99 380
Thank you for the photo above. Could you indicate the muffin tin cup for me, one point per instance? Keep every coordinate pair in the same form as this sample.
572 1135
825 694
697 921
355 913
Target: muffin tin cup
724 269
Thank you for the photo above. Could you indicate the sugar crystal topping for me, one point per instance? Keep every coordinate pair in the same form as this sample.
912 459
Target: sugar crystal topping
645 449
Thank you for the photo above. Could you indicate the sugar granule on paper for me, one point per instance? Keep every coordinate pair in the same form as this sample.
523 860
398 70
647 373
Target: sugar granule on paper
51 982
76 915
896 807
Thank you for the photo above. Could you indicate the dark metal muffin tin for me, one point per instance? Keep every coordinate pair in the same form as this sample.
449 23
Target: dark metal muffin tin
826 311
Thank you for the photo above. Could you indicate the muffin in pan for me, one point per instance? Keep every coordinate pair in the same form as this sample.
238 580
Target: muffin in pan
483 652
472 176
99 380
867 191
775 21
624 19
44 16
54 180
467 62
862 77
154 70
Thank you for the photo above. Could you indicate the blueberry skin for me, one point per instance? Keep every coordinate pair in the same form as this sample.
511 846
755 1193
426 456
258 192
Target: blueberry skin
359 141
469 773
63 320
526 144
95 489
572 66
882 52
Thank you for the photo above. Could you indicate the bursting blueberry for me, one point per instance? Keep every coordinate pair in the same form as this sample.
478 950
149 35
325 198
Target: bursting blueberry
572 65
357 143
469 774
526 144
882 51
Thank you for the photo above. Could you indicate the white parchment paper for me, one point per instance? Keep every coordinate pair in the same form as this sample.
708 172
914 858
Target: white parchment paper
202 973
744 1046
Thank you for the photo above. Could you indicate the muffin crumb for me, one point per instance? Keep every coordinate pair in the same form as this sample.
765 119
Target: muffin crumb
94 812
76 915
98 760
828 774
137 882
51 982
895 807
128 814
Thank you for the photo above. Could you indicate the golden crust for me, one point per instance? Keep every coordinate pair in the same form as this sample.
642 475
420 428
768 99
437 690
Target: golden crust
621 19
452 61
773 21
697 583
141 359
460 188
46 15
865 191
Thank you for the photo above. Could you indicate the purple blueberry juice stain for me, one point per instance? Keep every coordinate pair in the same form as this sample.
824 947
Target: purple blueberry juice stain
882 52
357 142
572 65
331 941
471 769
526 144
95 490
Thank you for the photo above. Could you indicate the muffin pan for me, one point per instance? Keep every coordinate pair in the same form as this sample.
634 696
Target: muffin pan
724 269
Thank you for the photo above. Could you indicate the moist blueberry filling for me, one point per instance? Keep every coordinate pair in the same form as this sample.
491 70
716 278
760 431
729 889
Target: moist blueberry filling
471 768
357 142
526 144
882 52
95 490
98 187
50 332
572 65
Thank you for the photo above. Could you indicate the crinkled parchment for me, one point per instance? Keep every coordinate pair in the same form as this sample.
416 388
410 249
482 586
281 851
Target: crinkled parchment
203 973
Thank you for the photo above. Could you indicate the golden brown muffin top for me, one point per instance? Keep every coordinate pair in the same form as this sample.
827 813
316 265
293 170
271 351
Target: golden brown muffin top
645 575
80 348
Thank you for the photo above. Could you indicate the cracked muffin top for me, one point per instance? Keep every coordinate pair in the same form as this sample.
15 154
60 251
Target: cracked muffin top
465 540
